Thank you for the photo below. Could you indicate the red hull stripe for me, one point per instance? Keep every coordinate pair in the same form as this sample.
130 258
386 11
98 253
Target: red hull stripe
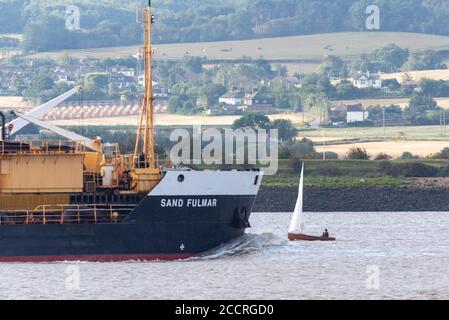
97 258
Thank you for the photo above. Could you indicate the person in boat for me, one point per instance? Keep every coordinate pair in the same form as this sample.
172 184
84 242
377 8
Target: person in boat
325 234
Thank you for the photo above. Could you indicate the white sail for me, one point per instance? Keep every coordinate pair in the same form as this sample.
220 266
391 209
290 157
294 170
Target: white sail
297 223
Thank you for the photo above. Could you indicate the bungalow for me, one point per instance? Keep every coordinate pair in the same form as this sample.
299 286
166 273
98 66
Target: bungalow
62 76
129 72
120 82
224 109
366 80
233 97
337 113
411 86
291 81
356 113
258 101
160 92
85 69
141 80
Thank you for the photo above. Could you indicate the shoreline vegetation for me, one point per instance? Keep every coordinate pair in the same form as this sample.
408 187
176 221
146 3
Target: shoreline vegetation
359 186
380 198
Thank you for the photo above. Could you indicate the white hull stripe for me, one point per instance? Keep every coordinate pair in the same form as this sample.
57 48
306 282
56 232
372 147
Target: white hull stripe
208 183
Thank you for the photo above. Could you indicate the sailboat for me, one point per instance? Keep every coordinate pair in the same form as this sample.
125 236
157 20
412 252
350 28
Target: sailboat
295 232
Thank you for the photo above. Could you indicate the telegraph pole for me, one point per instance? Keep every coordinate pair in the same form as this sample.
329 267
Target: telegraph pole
444 122
324 143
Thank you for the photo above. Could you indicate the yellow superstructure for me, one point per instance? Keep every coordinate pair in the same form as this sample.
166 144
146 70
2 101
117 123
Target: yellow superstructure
41 173
52 173
30 201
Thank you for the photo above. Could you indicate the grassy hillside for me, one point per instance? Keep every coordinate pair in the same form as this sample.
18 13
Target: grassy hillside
315 47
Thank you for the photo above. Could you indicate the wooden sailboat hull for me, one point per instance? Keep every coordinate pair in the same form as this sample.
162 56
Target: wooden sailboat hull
305 237
297 223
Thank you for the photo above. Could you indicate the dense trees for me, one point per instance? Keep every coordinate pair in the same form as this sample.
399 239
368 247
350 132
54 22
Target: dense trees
390 58
48 32
11 20
252 121
96 86
43 88
422 109
287 132
112 22
434 88
426 60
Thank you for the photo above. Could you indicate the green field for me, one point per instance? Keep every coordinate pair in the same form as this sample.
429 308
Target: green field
350 173
315 47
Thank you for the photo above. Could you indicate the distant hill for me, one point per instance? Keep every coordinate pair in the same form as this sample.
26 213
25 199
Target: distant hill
348 45
112 22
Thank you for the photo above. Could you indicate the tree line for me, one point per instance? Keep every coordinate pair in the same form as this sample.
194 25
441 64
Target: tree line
113 22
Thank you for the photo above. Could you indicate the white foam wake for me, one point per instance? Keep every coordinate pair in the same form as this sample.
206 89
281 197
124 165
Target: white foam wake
247 244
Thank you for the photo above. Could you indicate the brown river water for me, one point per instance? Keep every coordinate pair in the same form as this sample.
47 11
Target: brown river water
376 256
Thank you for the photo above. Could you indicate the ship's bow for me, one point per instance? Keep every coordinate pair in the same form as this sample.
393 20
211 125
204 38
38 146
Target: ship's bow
195 211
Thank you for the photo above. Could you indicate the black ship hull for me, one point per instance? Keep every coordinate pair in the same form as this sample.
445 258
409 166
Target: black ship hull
168 224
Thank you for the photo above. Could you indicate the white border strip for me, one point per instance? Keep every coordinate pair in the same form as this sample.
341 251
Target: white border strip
208 183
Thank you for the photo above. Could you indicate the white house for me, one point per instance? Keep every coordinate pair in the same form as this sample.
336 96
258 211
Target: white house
366 80
356 113
141 81
129 72
120 81
233 97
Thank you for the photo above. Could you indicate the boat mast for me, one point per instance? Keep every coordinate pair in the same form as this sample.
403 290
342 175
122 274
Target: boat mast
145 130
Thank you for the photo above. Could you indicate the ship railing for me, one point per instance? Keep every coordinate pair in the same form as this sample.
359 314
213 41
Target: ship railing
69 214
46 147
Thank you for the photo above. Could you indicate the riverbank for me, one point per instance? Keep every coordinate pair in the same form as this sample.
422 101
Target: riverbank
354 198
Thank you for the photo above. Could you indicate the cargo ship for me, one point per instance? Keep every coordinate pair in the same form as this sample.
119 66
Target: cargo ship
82 200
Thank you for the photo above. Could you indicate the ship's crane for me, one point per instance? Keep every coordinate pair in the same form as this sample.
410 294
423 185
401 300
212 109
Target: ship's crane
37 113
143 170
93 144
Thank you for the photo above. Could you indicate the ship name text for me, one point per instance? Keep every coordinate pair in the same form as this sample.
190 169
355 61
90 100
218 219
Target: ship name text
189 203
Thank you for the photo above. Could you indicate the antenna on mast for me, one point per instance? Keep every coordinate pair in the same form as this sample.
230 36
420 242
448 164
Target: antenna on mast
145 157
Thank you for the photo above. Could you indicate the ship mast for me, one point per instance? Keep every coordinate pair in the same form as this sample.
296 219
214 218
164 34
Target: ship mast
145 130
